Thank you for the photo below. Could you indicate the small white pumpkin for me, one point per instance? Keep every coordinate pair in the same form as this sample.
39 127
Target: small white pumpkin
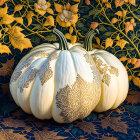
114 77
57 81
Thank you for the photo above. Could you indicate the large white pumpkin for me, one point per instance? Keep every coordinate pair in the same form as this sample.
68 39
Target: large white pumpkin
114 77
57 81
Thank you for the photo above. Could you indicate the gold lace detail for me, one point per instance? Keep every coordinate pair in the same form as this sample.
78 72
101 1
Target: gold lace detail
46 72
18 71
88 58
106 79
114 70
104 68
79 100
26 79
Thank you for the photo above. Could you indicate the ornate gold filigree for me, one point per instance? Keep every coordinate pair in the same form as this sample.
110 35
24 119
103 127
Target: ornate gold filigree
90 61
18 71
79 100
88 58
114 70
42 54
46 72
104 69
106 79
26 79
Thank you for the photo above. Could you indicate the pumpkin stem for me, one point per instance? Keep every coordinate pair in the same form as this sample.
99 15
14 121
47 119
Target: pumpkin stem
63 44
88 39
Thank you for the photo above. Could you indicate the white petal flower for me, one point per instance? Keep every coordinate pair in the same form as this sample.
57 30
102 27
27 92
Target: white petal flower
41 5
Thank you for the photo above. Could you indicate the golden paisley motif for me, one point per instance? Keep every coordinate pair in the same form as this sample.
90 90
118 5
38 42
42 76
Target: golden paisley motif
18 71
78 100
46 72
104 68
26 79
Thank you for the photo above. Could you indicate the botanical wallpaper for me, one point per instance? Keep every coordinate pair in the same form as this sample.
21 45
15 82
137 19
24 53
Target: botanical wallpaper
25 24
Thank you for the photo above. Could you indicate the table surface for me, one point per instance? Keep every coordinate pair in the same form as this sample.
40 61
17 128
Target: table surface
121 123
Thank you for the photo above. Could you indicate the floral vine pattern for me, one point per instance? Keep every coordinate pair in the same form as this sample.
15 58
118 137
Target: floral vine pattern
26 23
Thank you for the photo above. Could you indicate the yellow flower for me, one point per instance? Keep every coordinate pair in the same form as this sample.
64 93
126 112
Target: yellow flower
41 7
49 21
71 37
67 14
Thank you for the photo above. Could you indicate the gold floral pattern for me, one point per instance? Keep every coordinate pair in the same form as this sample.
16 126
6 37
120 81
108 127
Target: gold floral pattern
26 79
104 68
114 70
46 72
88 58
79 100
18 71
106 79
93 67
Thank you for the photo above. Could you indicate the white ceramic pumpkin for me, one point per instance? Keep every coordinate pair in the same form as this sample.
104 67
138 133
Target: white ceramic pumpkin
58 81
114 77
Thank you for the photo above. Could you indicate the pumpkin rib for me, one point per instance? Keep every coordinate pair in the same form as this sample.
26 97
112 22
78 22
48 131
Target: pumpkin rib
107 97
17 74
65 72
26 83
113 61
43 92
123 80
94 89
25 62
113 75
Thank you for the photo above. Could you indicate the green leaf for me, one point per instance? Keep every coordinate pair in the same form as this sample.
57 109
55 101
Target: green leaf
38 27
79 24
85 16
51 37
107 34
132 35
102 28
84 9
35 39
94 12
